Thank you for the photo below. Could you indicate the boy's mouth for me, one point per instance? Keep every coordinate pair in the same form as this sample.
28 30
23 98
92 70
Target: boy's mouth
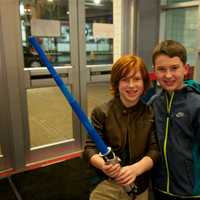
132 93
169 83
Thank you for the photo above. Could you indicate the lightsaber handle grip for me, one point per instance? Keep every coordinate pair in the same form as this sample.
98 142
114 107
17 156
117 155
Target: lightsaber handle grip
111 158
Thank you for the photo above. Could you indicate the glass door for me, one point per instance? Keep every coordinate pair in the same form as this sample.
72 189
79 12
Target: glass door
37 122
105 43
99 50
52 129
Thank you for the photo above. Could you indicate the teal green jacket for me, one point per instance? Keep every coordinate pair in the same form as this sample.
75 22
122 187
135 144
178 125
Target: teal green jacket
177 118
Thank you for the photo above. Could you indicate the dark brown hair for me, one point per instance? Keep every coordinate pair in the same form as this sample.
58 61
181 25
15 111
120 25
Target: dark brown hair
170 48
123 66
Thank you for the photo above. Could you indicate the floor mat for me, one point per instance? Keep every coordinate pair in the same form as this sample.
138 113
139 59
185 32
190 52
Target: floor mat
6 192
68 180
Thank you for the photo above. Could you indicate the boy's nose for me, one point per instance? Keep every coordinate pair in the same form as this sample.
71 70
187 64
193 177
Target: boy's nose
131 83
168 74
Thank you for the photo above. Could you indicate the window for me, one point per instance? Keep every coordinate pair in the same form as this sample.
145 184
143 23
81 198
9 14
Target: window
182 26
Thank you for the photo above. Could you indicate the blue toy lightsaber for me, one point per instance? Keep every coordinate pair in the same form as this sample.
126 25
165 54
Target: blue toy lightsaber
101 146
106 152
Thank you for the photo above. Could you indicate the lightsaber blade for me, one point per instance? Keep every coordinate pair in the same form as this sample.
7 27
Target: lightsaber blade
101 146
106 152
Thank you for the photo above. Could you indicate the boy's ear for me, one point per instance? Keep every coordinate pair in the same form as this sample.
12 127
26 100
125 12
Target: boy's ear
187 68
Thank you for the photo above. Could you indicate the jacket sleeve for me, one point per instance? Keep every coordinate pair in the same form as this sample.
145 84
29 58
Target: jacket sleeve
153 148
98 119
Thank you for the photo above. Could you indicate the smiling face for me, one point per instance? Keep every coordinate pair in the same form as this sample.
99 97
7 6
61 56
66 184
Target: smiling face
170 72
131 88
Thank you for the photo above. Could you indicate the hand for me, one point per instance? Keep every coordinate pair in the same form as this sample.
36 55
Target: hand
111 170
127 175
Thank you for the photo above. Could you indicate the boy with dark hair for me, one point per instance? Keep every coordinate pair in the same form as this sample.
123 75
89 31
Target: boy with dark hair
177 114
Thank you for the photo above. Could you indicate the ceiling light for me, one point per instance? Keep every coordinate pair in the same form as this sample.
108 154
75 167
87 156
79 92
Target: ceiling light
97 1
21 9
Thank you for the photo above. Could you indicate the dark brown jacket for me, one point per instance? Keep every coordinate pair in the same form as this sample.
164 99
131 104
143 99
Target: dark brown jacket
123 128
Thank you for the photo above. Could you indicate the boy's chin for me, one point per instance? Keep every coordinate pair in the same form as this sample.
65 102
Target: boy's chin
169 89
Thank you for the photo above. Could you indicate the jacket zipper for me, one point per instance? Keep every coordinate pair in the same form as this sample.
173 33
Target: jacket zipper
169 106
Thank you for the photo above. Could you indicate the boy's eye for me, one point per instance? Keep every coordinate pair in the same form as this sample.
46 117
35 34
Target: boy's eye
160 69
137 78
124 79
127 79
174 68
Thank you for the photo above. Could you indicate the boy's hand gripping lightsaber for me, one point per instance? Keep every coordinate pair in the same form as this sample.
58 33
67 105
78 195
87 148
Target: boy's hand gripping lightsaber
106 152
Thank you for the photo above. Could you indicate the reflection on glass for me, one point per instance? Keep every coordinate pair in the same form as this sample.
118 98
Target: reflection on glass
99 48
50 116
182 26
49 22
98 93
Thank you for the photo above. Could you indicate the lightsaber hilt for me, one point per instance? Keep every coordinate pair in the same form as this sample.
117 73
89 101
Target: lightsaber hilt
111 158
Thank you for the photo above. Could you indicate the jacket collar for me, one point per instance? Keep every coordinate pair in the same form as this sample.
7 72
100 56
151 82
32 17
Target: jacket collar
125 109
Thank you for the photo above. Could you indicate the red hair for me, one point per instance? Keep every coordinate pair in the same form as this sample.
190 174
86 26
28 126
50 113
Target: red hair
123 66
